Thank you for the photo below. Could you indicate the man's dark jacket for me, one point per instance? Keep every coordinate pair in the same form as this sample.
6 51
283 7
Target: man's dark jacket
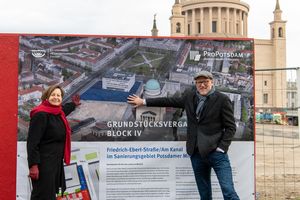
215 127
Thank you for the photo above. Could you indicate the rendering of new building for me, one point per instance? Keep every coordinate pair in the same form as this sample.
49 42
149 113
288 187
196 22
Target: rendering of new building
118 81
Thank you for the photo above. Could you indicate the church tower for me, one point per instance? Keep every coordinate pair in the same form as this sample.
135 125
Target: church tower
278 38
177 20
154 30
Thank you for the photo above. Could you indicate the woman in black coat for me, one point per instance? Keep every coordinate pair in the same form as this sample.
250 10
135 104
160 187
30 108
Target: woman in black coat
49 143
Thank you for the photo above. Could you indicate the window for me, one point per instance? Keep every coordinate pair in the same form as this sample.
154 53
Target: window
280 32
266 83
265 100
214 26
293 95
189 29
178 27
237 28
199 27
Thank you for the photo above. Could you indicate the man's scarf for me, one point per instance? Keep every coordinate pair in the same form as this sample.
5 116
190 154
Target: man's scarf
45 106
201 100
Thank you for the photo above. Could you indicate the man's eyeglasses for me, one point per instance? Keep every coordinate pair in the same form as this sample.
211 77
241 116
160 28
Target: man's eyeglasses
205 82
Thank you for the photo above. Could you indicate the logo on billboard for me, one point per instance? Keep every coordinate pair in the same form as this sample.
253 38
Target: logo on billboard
38 53
195 55
220 54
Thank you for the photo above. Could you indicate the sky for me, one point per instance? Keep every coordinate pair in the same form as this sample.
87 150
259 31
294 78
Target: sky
132 17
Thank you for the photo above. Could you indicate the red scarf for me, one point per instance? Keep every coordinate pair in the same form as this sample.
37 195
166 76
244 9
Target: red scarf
45 106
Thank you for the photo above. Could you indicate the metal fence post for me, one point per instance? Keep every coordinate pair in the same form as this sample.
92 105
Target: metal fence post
298 98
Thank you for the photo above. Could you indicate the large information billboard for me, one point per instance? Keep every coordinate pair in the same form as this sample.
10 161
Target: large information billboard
124 153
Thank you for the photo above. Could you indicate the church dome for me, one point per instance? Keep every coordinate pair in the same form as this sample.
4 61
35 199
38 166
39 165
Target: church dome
211 18
152 87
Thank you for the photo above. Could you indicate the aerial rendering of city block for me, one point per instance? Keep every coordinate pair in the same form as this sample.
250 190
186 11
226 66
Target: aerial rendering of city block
105 70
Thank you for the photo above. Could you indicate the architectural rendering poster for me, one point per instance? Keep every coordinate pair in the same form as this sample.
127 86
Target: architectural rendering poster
124 153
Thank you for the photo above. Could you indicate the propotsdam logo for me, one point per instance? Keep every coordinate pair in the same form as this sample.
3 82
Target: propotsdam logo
38 53
195 55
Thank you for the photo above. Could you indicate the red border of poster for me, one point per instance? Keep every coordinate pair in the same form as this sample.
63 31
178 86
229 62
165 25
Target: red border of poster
9 45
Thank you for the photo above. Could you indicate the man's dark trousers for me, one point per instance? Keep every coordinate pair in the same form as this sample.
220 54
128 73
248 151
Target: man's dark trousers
202 169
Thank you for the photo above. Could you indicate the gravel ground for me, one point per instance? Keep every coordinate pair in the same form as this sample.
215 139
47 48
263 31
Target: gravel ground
277 162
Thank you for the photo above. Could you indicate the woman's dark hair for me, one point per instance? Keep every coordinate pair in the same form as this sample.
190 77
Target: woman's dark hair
46 94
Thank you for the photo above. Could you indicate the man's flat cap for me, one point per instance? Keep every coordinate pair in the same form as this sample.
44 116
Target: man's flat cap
205 74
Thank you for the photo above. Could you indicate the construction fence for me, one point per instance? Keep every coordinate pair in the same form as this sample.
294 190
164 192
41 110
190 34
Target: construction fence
278 147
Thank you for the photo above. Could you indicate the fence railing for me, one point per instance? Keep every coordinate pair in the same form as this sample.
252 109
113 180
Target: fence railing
278 151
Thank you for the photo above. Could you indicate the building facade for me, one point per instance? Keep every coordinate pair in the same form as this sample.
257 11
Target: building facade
229 19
